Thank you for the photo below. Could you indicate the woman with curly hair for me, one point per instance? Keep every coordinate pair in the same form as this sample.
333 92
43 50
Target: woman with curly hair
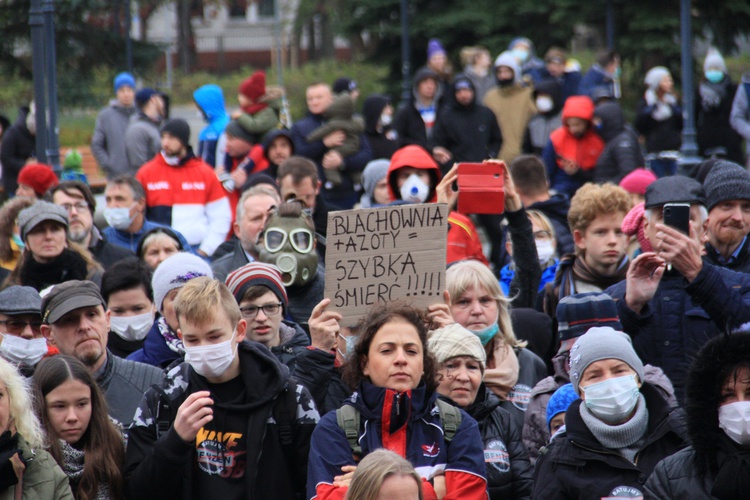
394 379
11 244
80 435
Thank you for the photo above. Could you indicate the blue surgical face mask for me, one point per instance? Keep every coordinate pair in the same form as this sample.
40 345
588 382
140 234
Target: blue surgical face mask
714 75
618 72
486 334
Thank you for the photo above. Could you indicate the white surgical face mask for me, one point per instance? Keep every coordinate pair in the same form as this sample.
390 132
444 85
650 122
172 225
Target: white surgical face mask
386 119
18 350
545 251
132 328
734 420
612 400
170 160
544 103
211 360
415 190
119 217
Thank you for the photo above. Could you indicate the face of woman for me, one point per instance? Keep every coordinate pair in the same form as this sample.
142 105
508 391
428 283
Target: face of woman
396 357
158 251
737 387
46 240
167 309
459 379
475 309
4 408
69 410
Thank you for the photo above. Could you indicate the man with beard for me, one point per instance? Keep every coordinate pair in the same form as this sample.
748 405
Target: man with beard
727 188
673 301
573 149
74 320
77 199
253 210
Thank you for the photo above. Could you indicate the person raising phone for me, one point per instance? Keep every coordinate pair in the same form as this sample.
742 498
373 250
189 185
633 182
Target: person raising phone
670 313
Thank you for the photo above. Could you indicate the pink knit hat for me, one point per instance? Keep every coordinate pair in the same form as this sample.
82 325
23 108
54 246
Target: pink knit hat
637 181
633 224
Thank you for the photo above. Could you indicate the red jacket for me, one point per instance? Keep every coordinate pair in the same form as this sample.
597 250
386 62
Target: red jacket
583 150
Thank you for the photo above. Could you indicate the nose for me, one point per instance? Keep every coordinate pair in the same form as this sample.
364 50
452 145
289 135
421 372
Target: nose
27 333
476 307
462 374
400 357
737 213
71 415
261 311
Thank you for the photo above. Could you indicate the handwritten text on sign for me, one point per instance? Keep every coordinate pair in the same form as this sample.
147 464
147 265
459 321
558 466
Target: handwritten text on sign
382 254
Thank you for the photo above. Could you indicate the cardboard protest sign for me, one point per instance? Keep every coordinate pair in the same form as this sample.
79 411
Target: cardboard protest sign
382 254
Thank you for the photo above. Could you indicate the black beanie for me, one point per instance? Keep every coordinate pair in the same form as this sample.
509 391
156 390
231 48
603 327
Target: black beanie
234 129
726 181
179 128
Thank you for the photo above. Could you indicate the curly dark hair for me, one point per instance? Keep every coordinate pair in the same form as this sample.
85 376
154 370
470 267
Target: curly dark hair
369 326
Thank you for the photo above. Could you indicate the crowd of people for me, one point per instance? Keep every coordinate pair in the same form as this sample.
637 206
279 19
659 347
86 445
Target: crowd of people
587 345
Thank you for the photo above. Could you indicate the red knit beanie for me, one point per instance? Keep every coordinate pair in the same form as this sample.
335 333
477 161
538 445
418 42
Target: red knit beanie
38 177
254 87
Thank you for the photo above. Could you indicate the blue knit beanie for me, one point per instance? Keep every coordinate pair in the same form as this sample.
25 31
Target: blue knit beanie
560 401
434 47
124 78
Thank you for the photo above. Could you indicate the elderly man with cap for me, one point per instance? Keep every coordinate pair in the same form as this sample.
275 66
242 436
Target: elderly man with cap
616 433
20 329
75 321
260 293
183 192
672 302
142 134
576 314
727 188
108 141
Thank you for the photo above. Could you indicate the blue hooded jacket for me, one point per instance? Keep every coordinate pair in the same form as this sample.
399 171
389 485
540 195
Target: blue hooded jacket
210 99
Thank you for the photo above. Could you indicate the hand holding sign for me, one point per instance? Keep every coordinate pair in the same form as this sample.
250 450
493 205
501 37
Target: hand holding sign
379 255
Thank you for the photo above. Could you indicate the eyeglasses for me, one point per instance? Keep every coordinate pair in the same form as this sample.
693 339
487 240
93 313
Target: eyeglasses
80 206
17 326
301 239
249 312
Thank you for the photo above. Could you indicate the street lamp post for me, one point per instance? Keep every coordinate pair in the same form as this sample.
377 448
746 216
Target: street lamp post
405 53
53 146
689 149
36 22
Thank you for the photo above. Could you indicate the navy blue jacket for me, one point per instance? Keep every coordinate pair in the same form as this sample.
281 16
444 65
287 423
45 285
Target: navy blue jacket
682 317
422 444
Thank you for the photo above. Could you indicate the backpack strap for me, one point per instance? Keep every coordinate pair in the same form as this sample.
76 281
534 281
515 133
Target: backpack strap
450 416
348 419
163 417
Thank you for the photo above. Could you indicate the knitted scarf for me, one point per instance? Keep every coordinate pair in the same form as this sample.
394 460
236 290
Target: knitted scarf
170 338
622 437
501 374
72 466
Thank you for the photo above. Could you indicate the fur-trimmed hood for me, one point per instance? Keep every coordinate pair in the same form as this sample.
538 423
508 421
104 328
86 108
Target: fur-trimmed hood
713 364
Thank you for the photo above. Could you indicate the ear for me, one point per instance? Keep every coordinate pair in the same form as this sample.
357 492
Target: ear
509 248
241 330
365 368
236 228
179 333
107 315
141 205
579 239
47 332
317 188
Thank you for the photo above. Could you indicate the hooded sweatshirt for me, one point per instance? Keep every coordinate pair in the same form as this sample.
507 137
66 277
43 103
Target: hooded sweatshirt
584 150
513 107
622 153
238 454
210 100
542 125
381 138
469 131
413 122
463 239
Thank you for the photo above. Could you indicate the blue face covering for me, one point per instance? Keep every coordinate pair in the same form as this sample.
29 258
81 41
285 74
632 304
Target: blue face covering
18 241
714 75
618 72
486 334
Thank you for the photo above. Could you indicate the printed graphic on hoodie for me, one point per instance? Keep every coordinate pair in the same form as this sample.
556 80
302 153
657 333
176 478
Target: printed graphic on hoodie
221 453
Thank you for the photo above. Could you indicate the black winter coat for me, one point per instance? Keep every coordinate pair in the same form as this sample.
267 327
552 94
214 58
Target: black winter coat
18 146
576 466
316 370
665 135
509 472
682 317
470 133
712 121
622 153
